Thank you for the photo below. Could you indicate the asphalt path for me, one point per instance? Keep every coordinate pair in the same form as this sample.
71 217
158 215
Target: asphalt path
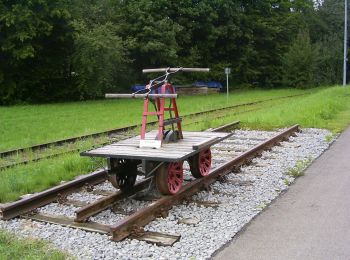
310 221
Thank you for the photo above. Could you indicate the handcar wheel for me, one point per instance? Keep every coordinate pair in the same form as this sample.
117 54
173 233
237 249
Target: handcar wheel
169 178
200 164
122 173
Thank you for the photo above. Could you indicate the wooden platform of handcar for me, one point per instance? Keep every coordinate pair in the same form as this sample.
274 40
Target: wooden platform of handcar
192 143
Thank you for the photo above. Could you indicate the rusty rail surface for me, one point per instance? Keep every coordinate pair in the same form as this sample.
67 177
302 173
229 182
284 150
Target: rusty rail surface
14 209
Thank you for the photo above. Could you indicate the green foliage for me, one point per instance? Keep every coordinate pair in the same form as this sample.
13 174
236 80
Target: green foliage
330 138
298 169
35 177
286 182
149 34
300 62
326 25
99 60
14 248
35 40
76 49
330 60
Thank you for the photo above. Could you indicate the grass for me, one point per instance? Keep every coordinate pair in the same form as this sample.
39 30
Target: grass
26 249
41 175
27 125
298 169
203 122
23 126
194 122
29 155
37 176
326 108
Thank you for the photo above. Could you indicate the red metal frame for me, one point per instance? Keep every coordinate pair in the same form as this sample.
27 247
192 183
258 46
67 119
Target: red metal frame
160 108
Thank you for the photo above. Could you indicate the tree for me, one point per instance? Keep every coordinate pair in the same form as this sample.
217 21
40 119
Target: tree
99 59
268 29
327 31
35 41
330 65
77 49
148 32
300 62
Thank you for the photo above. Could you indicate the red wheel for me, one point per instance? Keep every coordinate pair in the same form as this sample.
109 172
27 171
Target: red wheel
169 178
200 163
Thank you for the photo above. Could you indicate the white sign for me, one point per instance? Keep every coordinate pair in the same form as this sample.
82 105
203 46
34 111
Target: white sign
227 71
150 143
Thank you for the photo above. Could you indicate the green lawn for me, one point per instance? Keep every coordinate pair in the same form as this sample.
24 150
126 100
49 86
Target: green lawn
23 126
38 176
12 248
326 108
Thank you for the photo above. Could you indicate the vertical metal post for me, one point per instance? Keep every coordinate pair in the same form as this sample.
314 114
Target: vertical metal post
227 85
227 71
345 41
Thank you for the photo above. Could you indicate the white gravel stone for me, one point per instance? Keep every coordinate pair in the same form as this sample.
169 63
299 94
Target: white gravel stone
56 209
242 197
106 186
84 197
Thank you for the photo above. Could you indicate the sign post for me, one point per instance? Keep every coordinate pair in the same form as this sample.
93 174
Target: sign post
227 71
345 41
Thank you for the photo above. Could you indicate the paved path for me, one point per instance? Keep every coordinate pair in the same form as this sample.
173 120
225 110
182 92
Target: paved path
310 221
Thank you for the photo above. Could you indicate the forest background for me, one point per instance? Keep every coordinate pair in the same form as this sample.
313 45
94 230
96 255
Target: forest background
79 49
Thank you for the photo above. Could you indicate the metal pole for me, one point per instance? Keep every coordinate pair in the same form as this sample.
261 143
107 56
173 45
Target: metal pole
345 41
227 85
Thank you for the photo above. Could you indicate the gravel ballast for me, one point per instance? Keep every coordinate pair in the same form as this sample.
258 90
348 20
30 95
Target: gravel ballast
237 200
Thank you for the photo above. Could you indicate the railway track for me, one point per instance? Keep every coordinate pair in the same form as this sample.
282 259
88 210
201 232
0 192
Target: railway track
113 135
84 201
114 138
40 199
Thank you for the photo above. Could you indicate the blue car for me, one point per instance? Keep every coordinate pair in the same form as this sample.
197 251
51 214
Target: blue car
209 84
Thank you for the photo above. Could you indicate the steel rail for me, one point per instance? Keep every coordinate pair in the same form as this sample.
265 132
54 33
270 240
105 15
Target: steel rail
92 209
14 209
224 127
131 127
142 217
84 213
230 125
49 156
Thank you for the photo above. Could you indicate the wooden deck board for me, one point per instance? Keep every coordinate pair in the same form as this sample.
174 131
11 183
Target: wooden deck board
178 151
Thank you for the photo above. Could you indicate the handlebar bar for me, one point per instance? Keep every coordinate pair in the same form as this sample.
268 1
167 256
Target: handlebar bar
134 95
157 82
176 69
